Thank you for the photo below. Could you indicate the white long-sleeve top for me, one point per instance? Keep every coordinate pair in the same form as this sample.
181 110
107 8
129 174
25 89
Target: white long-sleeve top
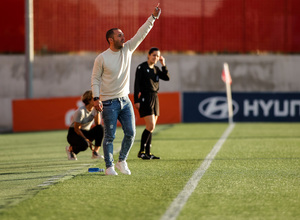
111 71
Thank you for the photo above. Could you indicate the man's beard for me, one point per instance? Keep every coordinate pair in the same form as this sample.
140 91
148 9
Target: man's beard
118 46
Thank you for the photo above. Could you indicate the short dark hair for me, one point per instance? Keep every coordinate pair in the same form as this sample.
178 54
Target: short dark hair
87 97
110 33
152 50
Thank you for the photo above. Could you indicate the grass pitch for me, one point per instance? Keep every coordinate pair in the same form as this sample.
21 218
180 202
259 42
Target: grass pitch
255 175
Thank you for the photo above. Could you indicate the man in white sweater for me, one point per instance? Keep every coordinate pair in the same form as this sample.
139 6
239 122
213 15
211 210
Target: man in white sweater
110 86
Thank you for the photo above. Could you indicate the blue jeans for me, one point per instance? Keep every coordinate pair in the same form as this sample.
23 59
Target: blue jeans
117 109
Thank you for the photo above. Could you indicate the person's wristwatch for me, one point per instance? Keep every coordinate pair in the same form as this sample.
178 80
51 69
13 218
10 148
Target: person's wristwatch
96 98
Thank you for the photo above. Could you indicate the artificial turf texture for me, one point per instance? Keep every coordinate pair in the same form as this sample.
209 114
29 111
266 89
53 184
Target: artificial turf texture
255 175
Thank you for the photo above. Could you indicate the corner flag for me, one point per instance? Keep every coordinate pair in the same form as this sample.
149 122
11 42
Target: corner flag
227 79
226 74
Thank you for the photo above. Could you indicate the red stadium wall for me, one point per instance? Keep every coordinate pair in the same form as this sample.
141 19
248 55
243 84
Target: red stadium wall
12 25
193 25
56 113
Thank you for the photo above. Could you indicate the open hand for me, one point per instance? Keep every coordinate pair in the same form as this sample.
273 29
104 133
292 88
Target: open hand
137 105
156 10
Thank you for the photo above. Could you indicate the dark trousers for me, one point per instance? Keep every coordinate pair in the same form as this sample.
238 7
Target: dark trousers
78 143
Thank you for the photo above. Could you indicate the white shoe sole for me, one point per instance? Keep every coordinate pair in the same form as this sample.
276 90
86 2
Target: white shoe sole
123 171
109 173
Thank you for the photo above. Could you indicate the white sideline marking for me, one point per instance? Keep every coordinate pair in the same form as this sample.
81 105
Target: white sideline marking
68 173
179 202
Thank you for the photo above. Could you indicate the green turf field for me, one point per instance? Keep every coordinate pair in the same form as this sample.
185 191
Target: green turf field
255 175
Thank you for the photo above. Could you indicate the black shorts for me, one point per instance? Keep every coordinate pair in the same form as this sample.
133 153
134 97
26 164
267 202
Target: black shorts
149 104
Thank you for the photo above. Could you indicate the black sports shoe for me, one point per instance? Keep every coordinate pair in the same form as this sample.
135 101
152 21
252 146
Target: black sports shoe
151 156
143 155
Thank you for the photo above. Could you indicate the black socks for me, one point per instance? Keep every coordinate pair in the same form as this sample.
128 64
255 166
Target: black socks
148 144
146 141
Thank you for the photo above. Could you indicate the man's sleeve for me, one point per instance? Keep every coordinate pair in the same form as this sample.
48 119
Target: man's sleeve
134 42
96 76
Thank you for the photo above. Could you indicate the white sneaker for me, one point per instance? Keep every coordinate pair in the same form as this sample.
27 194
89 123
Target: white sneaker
70 154
111 171
96 155
122 166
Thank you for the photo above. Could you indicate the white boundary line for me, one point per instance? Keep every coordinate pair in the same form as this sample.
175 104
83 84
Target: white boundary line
70 173
30 192
67 175
179 202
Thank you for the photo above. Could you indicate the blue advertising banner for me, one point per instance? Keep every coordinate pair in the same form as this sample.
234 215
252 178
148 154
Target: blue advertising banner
247 107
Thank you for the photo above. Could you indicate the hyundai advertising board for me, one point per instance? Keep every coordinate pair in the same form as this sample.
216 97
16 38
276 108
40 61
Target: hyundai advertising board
247 107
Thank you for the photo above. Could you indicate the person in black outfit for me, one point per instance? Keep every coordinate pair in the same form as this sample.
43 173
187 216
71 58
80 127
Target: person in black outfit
146 100
81 133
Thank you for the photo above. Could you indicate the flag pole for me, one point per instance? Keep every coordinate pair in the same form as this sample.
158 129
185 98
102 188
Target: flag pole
29 47
228 93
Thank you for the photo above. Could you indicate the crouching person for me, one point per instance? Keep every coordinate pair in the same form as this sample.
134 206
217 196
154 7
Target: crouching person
81 133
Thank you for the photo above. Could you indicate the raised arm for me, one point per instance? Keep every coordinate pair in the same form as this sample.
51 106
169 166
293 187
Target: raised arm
134 42
164 74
